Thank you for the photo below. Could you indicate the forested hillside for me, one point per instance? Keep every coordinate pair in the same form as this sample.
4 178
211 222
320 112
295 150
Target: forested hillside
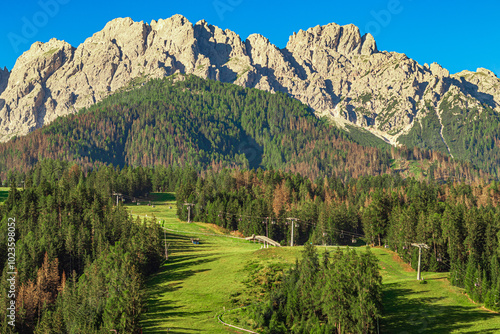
81 260
459 222
471 133
72 241
209 125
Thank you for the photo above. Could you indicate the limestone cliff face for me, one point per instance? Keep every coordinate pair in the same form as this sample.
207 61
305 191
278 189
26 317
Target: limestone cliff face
332 68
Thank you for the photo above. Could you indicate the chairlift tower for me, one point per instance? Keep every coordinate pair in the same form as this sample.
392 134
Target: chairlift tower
420 246
293 221
189 205
118 195
266 245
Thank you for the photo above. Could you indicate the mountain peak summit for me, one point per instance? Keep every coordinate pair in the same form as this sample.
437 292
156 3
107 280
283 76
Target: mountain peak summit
333 69
342 39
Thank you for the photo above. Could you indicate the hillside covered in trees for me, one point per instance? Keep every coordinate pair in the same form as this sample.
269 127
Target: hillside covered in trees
181 121
81 260
471 131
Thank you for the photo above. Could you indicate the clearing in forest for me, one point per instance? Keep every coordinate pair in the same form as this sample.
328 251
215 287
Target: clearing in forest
200 281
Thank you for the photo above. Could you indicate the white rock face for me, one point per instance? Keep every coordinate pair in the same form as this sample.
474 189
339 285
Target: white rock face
332 68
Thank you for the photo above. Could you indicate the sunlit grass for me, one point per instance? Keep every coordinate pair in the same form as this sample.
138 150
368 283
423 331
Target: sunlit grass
199 282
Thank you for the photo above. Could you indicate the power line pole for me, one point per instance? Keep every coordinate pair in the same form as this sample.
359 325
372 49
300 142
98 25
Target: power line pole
293 220
189 205
266 245
117 195
420 246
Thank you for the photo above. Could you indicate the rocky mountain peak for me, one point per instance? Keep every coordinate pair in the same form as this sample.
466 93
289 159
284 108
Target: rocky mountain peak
368 45
342 39
438 70
26 83
332 68
172 23
487 72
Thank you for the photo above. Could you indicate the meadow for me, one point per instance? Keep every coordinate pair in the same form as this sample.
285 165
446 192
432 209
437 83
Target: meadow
200 282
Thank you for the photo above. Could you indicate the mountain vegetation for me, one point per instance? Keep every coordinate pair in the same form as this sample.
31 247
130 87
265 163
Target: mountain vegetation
469 133
81 260
459 222
210 125
352 303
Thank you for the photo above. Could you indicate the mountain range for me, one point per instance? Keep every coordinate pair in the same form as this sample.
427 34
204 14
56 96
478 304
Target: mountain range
333 69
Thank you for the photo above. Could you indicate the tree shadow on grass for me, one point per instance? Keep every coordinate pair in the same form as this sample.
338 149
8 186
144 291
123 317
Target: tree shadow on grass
173 330
162 197
171 277
405 314
182 243
164 309
175 270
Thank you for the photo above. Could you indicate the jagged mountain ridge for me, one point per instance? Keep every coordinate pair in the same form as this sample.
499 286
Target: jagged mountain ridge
332 68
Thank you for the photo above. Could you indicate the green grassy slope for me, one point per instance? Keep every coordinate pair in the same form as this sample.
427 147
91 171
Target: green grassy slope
434 307
199 282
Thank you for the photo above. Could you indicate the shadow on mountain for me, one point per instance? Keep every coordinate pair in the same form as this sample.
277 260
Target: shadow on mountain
421 88
425 315
291 59
467 88
4 81
218 53
329 90
269 73
351 114
252 151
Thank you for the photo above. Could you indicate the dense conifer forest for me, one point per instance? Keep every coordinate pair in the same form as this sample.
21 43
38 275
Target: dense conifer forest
81 260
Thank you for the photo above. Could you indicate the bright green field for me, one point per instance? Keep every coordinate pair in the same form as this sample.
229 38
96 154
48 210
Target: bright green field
199 281
435 307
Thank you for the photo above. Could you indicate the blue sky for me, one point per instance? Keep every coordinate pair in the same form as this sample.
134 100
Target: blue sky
456 34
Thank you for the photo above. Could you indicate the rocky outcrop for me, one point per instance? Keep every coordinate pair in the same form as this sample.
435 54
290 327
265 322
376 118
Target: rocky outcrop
332 68
4 79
